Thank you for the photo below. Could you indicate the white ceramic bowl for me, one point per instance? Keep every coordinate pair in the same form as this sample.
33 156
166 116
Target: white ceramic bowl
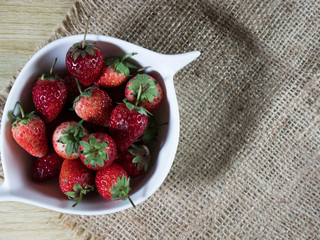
16 162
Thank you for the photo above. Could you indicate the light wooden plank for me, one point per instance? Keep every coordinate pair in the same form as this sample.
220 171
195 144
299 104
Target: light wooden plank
24 25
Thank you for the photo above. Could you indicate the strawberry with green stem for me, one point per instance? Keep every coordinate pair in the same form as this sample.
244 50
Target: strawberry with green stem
29 131
93 105
84 61
98 151
49 95
75 180
115 71
143 90
113 183
66 138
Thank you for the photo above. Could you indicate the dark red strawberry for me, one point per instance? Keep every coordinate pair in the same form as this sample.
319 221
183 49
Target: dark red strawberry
84 61
127 124
94 105
113 183
47 167
98 151
75 180
72 87
135 160
29 131
93 128
115 71
66 138
145 91
49 95
116 94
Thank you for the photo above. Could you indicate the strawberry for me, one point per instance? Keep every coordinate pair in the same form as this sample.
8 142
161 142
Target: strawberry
47 167
113 183
127 124
75 180
29 131
49 95
66 138
94 105
84 61
98 150
135 160
115 72
145 91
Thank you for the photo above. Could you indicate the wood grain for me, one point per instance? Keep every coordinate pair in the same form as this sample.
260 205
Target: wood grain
24 25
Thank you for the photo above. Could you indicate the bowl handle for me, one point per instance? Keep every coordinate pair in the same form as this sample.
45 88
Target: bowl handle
176 62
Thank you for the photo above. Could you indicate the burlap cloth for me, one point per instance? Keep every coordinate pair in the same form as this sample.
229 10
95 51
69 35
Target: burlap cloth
248 163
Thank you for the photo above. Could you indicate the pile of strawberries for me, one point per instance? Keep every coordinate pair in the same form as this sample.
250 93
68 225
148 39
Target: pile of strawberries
102 141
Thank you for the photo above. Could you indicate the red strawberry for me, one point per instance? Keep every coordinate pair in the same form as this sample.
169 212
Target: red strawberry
113 183
75 180
115 72
127 124
49 95
66 138
44 168
98 151
94 105
144 90
29 131
135 160
84 61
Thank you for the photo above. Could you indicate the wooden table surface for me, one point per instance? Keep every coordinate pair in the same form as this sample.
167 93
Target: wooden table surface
24 25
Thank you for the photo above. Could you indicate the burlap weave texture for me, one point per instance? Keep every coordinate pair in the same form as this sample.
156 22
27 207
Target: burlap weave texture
247 165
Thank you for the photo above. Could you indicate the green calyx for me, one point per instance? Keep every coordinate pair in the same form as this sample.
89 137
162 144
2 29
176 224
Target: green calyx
143 88
85 93
78 192
25 118
94 151
72 137
121 65
139 109
51 75
122 189
82 49
141 156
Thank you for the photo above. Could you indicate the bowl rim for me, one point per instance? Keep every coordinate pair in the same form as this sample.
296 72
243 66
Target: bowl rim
174 126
